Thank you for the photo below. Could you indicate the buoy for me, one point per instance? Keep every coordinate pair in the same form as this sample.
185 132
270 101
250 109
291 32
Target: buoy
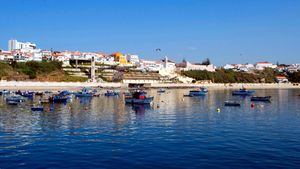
252 105
218 110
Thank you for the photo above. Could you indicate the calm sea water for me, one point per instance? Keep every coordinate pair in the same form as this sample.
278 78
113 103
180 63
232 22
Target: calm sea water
173 133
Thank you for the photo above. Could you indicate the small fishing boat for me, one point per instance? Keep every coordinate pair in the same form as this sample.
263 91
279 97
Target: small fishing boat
3 92
15 98
96 93
232 103
64 93
39 93
200 92
127 94
262 99
243 92
138 97
12 103
27 94
111 93
58 99
37 108
84 93
161 90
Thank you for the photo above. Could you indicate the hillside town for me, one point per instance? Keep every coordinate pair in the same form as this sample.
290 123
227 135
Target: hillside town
106 67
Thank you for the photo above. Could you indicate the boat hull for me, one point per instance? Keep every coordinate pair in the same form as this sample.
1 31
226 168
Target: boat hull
243 93
261 99
139 101
233 104
37 109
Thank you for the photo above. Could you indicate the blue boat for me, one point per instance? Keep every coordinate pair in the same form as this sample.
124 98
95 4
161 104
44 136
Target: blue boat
161 90
262 99
3 92
84 93
14 99
232 103
12 103
58 99
27 94
64 93
200 92
138 98
111 93
243 92
38 108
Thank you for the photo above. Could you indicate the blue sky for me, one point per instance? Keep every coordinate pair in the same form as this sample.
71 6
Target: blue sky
226 31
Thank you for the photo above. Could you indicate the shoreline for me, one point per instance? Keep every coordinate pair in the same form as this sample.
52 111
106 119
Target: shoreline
27 85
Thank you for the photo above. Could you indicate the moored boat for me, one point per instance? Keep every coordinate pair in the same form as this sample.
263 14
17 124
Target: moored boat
3 92
58 99
111 93
39 93
84 93
161 90
200 92
14 99
12 103
243 92
263 99
138 97
232 103
37 108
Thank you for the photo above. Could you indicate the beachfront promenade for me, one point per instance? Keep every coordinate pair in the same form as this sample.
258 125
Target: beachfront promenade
27 85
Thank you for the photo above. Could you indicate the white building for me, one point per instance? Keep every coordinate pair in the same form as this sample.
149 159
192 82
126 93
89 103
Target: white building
150 65
263 65
168 65
133 59
229 66
22 46
6 55
186 66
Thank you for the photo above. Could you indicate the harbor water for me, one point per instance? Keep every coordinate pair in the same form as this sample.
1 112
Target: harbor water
173 132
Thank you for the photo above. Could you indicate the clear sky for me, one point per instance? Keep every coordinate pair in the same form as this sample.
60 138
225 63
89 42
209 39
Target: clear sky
226 31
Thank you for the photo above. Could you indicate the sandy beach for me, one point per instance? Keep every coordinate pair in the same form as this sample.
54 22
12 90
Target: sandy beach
27 85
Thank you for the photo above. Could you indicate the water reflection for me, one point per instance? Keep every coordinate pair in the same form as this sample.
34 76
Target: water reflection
96 130
140 109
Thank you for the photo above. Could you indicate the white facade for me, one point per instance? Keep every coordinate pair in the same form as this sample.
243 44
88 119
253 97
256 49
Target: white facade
150 65
189 66
169 66
37 56
6 55
133 59
228 66
263 65
23 46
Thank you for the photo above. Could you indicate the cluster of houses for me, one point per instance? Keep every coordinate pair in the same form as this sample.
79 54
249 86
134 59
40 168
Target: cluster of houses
261 66
27 51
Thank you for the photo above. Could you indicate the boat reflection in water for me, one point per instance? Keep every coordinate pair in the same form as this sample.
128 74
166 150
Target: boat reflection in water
84 100
140 109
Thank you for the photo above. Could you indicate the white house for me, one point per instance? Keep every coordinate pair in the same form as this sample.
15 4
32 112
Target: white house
263 65
150 65
22 46
186 66
228 66
6 55
133 59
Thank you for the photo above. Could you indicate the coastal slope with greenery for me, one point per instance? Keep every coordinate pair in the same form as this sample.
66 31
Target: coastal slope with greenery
36 71
229 76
